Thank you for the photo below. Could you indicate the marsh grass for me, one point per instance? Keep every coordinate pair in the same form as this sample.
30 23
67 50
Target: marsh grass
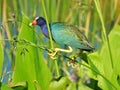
96 18
105 37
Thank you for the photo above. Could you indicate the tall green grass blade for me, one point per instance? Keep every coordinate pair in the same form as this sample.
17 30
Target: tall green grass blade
51 42
58 10
105 38
1 56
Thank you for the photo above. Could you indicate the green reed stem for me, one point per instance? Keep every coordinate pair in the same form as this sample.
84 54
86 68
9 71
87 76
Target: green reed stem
51 42
105 37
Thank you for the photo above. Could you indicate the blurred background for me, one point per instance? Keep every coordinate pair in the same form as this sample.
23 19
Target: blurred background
81 13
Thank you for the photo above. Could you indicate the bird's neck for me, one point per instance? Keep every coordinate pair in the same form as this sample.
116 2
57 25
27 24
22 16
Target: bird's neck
44 29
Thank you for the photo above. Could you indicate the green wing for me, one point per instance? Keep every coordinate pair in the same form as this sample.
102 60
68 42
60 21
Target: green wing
80 35
65 34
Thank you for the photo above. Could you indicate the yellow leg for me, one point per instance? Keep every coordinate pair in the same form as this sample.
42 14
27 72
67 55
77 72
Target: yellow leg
52 55
64 50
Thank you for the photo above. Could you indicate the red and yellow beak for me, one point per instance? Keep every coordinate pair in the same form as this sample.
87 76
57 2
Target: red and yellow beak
34 22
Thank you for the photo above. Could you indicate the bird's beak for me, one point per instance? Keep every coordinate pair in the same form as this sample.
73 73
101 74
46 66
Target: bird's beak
34 22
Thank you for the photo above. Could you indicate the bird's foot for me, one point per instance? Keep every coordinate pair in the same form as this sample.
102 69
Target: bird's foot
73 63
53 53
52 56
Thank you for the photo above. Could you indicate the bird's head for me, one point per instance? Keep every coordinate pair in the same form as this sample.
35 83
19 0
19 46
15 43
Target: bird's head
38 21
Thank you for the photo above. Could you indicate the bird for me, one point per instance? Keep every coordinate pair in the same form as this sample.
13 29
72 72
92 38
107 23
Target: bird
65 35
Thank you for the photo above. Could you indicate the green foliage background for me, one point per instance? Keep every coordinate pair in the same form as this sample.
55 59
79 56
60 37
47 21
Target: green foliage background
32 69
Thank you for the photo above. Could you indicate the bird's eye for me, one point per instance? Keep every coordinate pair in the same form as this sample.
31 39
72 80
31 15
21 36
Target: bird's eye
36 18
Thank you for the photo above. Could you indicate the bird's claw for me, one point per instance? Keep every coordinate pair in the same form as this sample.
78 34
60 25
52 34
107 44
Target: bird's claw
72 63
52 54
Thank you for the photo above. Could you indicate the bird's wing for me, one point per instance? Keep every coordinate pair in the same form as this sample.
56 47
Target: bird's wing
79 35
69 35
